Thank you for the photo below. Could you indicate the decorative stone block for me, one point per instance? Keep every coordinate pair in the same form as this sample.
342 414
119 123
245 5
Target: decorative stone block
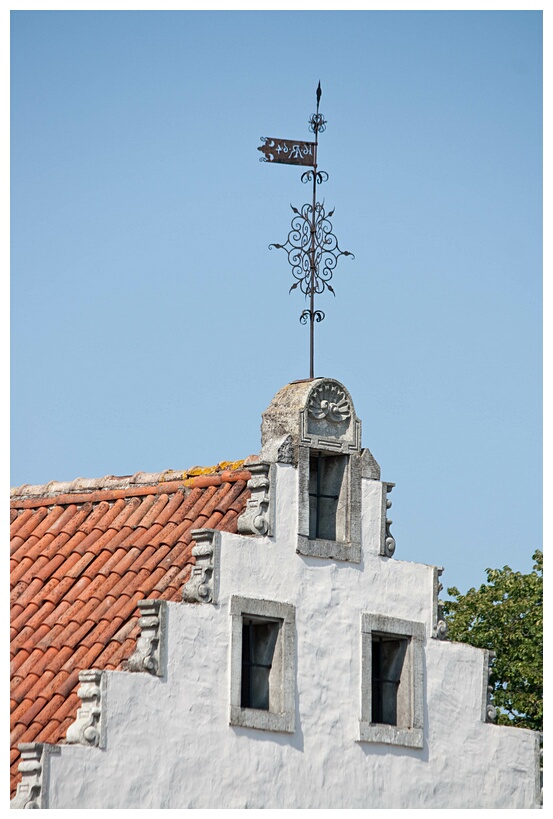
439 625
257 518
316 413
203 584
369 466
88 728
489 712
149 646
328 421
387 540
31 791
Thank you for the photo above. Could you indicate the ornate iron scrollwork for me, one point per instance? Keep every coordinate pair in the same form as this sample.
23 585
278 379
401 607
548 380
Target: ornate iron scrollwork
312 249
307 315
311 245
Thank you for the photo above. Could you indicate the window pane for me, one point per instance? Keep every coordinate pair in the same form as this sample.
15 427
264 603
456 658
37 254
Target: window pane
388 655
258 647
326 476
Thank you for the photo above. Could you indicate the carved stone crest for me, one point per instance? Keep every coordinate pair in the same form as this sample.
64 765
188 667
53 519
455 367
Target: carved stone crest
328 401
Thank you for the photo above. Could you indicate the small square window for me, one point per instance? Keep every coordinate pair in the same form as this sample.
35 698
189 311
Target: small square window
392 681
262 686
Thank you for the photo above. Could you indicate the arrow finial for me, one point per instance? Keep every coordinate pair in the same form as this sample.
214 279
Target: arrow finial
319 92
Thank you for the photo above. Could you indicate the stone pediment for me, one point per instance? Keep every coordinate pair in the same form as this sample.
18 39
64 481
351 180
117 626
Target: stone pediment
316 413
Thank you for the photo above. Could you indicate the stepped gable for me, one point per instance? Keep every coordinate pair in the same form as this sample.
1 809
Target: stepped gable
82 555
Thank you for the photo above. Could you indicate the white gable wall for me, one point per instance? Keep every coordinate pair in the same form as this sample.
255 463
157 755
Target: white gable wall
169 743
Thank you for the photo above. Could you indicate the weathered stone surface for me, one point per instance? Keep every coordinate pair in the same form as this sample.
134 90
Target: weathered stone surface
89 727
202 585
149 646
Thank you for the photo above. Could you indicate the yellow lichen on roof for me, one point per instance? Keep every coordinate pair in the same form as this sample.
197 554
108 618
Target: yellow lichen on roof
212 470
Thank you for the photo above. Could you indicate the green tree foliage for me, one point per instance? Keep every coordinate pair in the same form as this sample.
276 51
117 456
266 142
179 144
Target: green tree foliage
506 615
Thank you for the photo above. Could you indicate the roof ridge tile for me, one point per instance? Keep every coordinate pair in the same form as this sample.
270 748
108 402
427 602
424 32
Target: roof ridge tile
78 485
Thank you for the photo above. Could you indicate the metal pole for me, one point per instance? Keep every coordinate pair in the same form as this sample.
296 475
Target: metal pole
313 271
312 286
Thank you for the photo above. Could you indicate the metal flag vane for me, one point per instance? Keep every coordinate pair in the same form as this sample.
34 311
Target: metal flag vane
312 247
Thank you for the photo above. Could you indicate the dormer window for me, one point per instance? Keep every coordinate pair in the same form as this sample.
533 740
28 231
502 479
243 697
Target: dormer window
312 425
327 496
329 480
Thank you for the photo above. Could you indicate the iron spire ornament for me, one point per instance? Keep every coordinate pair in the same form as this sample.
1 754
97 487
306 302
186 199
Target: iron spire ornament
311 245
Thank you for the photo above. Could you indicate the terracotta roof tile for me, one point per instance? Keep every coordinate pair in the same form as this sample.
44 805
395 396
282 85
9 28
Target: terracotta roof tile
63 612
22 528
50 733
21 614
187 503
19 659
98 562
155 509
151 557
95 517
41 524
23 686
31 711
34 636
83 554
75 634
172 533
19 590
20 570
54 636
50 709
55 589
18 520
78 590
16 734
62 569
64 683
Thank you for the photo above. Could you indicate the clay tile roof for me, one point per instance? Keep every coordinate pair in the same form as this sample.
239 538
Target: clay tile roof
82 554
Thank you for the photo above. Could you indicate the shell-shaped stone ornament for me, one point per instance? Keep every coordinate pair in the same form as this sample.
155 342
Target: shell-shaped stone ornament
329 401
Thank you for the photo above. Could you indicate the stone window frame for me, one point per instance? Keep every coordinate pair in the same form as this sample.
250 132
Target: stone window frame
350 548
411 736
283 671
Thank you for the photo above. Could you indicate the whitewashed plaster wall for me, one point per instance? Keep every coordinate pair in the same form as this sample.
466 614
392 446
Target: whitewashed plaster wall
169 743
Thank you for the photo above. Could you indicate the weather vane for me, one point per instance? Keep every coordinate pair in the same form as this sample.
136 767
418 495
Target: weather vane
312 247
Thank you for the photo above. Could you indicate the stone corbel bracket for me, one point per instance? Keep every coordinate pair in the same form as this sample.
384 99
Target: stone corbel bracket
203 584
539 770
32 791
387 540
439 625
148 655
258 517
489 713
89 727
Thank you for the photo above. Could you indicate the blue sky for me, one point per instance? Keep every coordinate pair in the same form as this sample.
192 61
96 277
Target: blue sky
150 323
